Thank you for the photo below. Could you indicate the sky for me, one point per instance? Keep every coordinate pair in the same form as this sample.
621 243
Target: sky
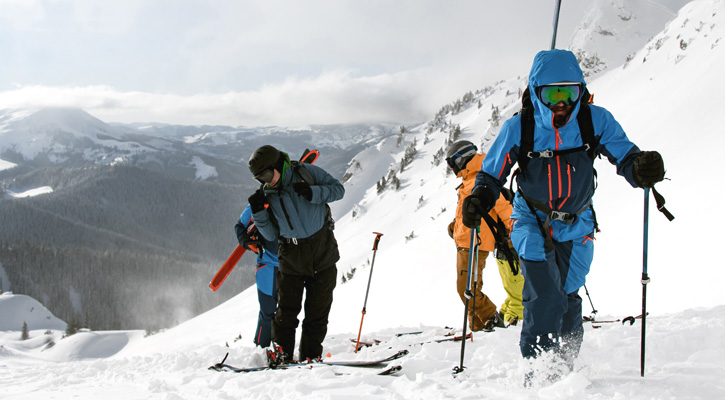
257 63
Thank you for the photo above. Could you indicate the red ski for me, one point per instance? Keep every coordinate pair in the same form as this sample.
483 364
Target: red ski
226 269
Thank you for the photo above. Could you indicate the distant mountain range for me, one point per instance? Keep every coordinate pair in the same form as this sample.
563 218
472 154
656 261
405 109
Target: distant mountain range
160 200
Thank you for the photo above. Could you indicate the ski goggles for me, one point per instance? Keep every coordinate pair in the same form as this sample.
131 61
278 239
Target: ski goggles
552 95
265 176
458 161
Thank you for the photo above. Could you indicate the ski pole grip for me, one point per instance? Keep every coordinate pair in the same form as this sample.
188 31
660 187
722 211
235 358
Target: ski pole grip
377 240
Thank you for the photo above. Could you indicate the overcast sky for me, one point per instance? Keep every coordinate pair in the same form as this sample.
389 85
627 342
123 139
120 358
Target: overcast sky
267 62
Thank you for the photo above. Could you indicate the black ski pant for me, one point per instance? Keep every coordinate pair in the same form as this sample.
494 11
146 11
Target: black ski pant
318 290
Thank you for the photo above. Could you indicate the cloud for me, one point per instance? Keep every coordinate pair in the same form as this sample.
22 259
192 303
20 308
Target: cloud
263 63
332 97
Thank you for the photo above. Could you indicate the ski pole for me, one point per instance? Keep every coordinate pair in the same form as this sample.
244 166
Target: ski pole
645 280
367 291
556 23
472 247
475 291
594 310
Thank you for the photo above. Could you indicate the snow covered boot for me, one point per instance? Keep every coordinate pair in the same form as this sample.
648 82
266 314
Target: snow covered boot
276 356
494 322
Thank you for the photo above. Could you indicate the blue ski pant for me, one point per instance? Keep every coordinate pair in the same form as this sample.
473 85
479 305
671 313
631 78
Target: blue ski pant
267 307
553 317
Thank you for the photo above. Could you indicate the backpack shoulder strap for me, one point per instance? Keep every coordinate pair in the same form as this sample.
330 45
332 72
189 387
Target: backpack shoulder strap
527 129
302 172
586 127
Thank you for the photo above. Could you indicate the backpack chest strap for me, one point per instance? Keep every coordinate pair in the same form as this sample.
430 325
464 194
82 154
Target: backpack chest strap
554 153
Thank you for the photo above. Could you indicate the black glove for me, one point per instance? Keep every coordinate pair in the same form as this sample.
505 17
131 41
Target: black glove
244 239
257 201
480 202
303 189
648 169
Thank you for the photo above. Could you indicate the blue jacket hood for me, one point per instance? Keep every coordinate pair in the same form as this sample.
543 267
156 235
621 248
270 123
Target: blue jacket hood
553 66
549 67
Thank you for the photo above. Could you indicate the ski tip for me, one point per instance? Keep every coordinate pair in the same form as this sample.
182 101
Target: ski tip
391 370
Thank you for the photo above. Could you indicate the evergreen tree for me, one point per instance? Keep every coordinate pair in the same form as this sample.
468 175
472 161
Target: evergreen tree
24 334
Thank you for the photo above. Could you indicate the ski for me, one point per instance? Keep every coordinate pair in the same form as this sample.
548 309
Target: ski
447 338
374 342
222 366
226 269
629 319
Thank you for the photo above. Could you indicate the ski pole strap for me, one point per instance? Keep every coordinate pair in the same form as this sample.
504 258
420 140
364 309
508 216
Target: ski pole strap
499 234
377 240
660 200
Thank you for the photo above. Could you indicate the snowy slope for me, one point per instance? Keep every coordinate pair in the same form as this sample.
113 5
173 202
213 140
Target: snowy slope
613 30
54 130
19 309
664 98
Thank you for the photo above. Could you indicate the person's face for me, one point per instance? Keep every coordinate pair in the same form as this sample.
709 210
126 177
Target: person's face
275 178
561 112
269 176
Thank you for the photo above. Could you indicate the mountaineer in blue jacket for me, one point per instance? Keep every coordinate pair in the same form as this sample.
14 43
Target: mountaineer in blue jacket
265 275
291 207
554 222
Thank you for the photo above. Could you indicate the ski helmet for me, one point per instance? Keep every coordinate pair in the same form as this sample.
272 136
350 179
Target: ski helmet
459 154
264 158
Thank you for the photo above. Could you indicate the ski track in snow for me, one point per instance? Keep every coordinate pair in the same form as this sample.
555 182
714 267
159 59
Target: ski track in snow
608 366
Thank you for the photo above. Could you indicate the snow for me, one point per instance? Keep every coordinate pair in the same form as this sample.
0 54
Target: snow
664 97
203 170
28 192
6 165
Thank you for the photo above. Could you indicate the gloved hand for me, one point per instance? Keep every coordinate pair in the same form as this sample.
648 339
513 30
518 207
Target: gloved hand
244 239
257 201
649 168
303 189
480 202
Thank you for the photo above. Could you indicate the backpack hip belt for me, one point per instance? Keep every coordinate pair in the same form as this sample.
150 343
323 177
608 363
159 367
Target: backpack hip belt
551 215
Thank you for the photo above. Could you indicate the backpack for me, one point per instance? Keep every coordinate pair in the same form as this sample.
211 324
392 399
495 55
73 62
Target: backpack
309 157
589 144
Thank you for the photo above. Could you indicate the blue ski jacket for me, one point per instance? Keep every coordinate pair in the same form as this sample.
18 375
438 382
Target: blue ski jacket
267 261
562 183
296 217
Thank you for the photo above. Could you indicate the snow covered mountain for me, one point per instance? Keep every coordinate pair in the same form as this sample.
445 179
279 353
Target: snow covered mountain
665 98
613 30
66 137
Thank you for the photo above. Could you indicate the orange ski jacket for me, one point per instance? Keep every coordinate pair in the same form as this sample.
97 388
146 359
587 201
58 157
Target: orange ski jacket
502 209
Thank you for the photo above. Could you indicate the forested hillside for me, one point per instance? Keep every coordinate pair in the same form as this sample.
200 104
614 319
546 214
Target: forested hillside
112 240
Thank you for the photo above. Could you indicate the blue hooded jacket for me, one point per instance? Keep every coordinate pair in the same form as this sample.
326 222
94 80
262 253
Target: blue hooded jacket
564 182
267 261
